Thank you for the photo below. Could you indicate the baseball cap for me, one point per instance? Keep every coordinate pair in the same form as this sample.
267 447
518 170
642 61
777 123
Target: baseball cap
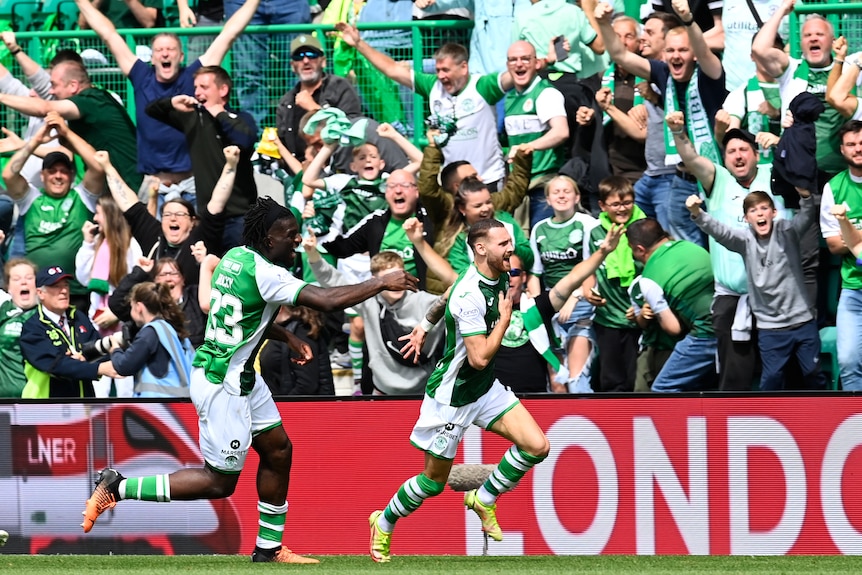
50 276
737 134
305 41
55 158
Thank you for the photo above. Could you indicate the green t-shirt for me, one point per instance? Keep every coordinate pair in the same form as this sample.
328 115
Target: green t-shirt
52 231
613 313
105 125
678 276
471 310
559 246
527 116
121 16
360 197
12 379
844 190
395 240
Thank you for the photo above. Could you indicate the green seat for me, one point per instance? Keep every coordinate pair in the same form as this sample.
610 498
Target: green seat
829 346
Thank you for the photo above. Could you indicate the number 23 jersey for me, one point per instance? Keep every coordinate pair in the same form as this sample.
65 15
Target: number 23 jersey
247 291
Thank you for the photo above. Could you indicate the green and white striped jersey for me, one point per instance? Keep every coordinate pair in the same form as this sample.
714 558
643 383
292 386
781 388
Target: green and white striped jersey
247 290
471 310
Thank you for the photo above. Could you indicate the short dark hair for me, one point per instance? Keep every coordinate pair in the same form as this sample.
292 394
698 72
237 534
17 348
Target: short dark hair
479 231
754 198
849 127
646 232
615 185
65 55
668 21
190 207
447 175
220 76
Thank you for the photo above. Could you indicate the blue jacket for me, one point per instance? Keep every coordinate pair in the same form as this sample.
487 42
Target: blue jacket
49 370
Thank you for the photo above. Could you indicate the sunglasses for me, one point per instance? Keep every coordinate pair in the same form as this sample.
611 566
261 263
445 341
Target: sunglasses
299 56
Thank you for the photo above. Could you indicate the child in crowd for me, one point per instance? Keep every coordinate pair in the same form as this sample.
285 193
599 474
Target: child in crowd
559 244
786 325
616 335
341 201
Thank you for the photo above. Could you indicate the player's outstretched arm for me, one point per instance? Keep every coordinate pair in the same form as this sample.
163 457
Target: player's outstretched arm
329 299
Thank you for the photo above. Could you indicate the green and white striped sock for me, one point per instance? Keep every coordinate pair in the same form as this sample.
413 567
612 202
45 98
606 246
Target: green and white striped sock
407 499
514 465
150 488
270 525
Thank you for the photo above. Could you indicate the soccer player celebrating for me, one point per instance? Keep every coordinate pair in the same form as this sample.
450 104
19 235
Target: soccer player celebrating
234 405
463 391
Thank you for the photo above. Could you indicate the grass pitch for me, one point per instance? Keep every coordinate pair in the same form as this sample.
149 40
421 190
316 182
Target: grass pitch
422 565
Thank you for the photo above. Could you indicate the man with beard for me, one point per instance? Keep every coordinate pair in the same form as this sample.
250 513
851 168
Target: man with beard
234 405
315 90
725 188
846 189
162 149
690 79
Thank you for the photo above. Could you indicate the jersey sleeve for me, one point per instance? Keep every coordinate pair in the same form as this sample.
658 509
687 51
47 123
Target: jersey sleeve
490 88
277 285
537 269
829 226
734 104
550 104
653 295
467 308
422 83
336 182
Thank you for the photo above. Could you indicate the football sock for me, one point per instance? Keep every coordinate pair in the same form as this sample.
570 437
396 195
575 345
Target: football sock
354 348
407 499
514 465
151 488
270 525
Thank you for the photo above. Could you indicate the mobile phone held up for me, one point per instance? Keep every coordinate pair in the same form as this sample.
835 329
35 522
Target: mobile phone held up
559 49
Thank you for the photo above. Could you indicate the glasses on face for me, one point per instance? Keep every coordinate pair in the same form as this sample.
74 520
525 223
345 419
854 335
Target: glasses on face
525 59
402 185
167 273
300 56
618 205
174 214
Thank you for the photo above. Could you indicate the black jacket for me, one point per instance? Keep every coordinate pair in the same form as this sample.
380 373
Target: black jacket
207 136
44 345
367 235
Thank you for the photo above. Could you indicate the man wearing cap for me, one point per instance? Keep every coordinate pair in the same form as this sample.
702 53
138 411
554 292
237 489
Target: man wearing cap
315 90
52 217
725 188
162 149
53 340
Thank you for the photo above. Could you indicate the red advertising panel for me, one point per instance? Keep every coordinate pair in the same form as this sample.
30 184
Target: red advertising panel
746 476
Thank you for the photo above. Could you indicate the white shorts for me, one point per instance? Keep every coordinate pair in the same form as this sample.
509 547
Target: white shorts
440 427
228 422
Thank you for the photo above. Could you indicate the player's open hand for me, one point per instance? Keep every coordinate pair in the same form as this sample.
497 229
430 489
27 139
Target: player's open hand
399 280
504 306
415 340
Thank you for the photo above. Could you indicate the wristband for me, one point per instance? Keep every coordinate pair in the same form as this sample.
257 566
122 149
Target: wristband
14 52
689 23
426 325
837 61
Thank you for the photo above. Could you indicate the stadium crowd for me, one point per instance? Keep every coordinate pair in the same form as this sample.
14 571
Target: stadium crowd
737 173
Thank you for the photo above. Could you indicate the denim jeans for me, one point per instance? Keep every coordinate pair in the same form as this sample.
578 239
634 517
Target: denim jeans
680 224
652 194
691 366
778 346
254 53
848 320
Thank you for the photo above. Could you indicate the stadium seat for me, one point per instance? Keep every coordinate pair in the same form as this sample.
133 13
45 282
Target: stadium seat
829 347
26 16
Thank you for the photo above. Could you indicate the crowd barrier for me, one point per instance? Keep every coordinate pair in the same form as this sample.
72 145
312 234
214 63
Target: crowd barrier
699 475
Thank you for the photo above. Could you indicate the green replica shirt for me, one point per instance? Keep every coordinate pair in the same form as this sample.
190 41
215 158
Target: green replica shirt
247 290
471 310
653 336
12 379
528 114
360 197
847 190
52 228
559 246
395 240
678 276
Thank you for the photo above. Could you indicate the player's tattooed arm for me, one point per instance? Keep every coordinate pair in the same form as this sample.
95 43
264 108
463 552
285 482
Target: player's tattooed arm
416 338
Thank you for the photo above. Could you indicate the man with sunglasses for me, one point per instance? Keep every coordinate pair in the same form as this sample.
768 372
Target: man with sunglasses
316 89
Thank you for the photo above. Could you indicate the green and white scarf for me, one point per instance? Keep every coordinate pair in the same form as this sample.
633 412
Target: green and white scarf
697 123
756 122
537 331
608 81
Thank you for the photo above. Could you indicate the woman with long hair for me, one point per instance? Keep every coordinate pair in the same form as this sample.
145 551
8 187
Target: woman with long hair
160 356
107 254
558 244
